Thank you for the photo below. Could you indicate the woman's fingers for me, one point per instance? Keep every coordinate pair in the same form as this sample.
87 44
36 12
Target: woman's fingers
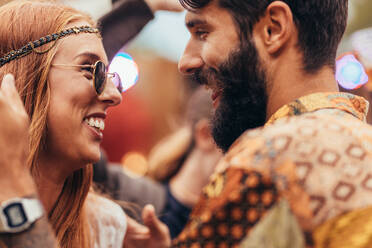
136 228
14 127
11 96
151 221
160 236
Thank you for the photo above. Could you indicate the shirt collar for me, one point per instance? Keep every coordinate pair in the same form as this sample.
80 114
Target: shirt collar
352 104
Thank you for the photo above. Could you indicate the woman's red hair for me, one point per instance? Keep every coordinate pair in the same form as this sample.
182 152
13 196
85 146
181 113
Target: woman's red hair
21 22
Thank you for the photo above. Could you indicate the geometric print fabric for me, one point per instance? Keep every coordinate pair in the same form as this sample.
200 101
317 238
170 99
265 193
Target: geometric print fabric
246 197
316 160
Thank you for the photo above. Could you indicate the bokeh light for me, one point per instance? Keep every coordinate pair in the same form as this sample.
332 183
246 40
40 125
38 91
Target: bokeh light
350 73
124 65
134 163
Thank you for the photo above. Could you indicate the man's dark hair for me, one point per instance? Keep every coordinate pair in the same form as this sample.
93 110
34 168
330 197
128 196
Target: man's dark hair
320 23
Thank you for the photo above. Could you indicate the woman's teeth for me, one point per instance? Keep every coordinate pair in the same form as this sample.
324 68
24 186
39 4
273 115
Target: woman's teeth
97 123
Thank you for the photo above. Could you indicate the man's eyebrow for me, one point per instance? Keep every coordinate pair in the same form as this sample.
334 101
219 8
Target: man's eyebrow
194 22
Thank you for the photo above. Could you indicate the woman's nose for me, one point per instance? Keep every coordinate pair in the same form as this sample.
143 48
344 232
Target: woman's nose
110 94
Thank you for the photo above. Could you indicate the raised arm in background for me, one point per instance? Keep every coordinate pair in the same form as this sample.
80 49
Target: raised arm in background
126 20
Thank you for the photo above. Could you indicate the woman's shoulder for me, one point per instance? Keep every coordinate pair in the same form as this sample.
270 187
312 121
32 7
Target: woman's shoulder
107 219
105 207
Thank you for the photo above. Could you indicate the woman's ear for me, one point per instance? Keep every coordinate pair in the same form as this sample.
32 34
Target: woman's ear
203 136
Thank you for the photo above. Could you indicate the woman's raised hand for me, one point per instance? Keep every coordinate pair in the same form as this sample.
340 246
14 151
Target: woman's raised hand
154 234
15 179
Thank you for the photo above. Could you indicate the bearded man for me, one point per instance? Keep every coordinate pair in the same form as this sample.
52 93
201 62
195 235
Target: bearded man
296 167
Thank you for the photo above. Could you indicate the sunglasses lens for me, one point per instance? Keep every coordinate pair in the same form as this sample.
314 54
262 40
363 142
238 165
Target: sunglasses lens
100 77
118 83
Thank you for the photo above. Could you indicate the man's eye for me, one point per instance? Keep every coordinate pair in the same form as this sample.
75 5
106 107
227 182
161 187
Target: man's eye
202 35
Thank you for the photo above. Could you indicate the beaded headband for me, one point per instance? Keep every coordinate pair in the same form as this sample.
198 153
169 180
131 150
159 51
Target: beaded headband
30 47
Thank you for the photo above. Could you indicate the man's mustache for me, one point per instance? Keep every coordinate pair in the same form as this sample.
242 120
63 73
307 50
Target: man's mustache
205 76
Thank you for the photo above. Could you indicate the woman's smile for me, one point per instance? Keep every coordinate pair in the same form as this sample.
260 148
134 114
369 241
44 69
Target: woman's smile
96 124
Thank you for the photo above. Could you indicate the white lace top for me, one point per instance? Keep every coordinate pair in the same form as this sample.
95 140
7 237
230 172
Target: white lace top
107 220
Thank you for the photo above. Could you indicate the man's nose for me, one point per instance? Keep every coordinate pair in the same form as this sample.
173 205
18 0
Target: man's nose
190 61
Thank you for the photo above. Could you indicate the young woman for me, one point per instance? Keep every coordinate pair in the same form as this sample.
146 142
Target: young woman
57 58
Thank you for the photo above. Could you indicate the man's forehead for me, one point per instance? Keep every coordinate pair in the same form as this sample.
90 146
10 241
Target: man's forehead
193 14
193 19
208 15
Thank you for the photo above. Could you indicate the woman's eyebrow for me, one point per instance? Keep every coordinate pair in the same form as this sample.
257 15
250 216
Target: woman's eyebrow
90 55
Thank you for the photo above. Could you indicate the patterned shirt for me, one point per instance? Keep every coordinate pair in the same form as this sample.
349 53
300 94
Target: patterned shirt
302 180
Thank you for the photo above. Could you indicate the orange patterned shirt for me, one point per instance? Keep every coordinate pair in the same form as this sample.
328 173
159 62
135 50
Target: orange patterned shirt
307 168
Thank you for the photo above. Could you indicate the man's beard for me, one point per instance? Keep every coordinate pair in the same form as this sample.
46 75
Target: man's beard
243 100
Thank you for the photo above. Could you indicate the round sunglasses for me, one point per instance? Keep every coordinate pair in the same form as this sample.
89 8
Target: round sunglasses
100 75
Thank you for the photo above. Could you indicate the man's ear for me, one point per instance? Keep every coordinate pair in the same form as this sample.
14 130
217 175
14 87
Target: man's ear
276 27
203 137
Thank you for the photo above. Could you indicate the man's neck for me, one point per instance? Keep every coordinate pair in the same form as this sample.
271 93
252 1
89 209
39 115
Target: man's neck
289 85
